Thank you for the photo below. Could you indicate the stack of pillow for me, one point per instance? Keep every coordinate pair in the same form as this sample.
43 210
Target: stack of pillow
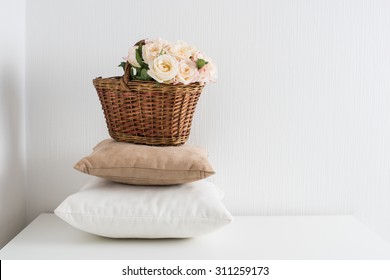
146 192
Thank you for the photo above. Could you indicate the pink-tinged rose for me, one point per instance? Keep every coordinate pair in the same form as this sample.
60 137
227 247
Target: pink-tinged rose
187 72
154 48
197 55
182 50
131 57
163 68
208 73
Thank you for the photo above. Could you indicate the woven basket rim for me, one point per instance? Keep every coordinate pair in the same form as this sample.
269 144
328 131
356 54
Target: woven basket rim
149 83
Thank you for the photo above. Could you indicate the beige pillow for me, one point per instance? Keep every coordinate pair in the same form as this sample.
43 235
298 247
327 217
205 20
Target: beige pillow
146 165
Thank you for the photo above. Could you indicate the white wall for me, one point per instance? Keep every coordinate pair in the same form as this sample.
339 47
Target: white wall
298 122
12 136
370 180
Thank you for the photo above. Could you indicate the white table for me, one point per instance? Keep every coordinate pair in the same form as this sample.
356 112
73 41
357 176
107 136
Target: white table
280 237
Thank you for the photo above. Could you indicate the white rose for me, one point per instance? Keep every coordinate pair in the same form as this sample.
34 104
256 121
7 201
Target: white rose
187 72
197 55
154 48
182 50
208 73
131 57
163 68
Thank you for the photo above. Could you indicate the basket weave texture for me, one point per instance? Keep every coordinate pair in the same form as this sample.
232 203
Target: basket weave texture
146 112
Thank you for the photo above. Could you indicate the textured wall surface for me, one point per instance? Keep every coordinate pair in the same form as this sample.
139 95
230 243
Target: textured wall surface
298 122
12 136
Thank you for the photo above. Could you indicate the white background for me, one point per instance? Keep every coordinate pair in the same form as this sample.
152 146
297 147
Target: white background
297 124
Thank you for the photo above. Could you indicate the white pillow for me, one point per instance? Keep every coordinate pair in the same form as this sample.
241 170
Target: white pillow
124 211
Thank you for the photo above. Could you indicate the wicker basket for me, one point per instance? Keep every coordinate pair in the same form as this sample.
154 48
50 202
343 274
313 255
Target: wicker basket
146 112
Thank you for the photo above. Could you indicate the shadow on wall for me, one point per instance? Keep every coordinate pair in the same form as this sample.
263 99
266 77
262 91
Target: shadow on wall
12 193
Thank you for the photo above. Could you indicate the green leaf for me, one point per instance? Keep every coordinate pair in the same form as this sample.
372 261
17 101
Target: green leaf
139 50
123 65
201 62
138 57
144 75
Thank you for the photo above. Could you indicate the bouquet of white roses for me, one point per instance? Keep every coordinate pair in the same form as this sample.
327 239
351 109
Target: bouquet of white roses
171 63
